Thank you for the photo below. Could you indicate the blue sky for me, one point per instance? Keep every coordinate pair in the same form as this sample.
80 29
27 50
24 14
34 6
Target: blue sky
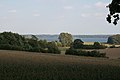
56 16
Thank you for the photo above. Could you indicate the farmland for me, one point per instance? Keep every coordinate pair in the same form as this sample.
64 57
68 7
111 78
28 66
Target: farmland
18 65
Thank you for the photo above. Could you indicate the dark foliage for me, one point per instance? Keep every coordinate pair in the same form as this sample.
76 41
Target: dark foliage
114 7
52 48
115 39
97 45
78 52
13 41
78 44
65 39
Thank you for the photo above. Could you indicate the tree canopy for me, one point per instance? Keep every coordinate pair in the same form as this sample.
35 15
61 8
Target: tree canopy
65 39
114 8
14 41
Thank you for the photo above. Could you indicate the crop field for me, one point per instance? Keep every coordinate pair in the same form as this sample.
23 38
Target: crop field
112 53
18 65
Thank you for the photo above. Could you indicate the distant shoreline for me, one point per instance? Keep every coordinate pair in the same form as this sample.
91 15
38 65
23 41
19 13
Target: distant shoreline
85 38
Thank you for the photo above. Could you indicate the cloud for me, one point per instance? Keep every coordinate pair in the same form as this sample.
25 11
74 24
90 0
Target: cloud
12 11
100 4
36 15
68 7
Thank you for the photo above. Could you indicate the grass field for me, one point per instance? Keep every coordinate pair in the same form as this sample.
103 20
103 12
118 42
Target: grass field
17 65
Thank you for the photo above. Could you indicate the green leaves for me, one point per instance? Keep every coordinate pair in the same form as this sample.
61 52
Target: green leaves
13 41
65 39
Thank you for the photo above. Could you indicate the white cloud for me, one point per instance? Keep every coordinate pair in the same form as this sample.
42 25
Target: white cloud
36 14
12 11
101 4
68 7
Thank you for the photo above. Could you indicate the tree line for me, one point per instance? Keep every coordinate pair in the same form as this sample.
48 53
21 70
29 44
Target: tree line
14 41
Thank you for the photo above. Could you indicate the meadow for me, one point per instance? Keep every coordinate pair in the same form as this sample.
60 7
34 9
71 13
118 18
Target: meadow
19 65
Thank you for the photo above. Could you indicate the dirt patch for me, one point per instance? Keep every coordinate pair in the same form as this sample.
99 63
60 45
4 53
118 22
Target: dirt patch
112 53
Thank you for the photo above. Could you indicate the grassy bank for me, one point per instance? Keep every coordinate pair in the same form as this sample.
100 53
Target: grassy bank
16 65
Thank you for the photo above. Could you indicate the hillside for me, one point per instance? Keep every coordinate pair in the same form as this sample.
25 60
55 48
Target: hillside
18 65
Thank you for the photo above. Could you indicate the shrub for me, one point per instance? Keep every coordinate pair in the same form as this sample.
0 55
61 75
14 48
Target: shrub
52 48
13 41
78 52
77 44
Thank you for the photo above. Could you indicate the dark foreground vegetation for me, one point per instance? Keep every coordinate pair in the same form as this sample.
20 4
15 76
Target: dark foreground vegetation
33 66
78 52
79 44
14 41
79 49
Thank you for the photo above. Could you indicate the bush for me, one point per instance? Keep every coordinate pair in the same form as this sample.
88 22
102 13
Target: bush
52 48
113 46
13 41
78 44
72 51
10 47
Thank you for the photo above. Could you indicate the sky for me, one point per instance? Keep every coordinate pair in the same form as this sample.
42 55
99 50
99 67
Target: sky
56 16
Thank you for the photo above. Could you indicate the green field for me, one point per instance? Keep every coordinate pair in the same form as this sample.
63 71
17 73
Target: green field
17 65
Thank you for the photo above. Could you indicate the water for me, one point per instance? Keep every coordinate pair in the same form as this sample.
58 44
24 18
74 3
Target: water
85 38
94 39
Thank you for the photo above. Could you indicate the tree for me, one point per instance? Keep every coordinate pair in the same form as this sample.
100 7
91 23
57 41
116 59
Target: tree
77 44
97 45
114 8
52 48
34 37
43 43
11 41
65 39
